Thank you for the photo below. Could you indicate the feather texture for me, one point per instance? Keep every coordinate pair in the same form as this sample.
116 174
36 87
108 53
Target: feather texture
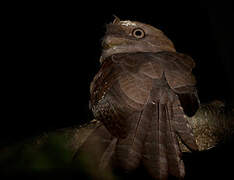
129 150
141 95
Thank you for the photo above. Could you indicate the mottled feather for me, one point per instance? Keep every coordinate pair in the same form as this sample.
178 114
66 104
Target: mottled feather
141 94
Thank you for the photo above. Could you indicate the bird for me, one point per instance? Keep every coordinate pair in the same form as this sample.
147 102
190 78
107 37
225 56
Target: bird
142 94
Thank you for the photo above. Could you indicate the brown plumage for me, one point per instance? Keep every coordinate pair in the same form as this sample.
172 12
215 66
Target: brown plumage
141 94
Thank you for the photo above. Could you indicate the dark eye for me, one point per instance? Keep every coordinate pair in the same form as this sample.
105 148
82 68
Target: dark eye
138 33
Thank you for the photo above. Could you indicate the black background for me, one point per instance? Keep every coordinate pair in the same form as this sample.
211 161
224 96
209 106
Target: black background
52 50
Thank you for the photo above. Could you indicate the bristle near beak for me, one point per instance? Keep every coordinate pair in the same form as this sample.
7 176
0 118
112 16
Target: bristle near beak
116 20
105 45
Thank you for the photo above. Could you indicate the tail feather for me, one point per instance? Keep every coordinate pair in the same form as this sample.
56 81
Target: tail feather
129 150
176 165
153 138
154 153
183 129
161 154
107 154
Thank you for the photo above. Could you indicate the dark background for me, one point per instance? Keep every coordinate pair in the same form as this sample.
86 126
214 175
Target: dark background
52 53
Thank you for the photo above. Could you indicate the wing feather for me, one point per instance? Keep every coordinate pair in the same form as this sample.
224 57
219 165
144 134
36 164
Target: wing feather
129 150
145 95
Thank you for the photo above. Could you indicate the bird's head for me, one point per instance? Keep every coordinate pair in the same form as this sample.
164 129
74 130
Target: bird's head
132 36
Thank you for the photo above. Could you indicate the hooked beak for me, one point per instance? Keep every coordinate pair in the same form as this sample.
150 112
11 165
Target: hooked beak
112 41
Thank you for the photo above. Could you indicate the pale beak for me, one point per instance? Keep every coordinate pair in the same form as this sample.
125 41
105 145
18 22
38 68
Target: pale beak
111 41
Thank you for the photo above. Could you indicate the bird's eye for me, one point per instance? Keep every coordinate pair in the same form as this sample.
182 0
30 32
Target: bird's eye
138 33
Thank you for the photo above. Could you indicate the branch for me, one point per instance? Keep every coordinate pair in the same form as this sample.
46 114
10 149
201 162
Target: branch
211 125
